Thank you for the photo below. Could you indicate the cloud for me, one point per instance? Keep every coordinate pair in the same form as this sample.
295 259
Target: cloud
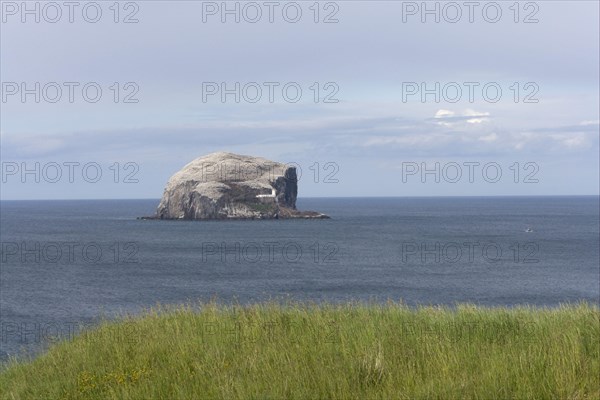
450 118
444 114
337 135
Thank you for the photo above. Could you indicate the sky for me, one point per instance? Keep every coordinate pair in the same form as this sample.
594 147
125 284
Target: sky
365 98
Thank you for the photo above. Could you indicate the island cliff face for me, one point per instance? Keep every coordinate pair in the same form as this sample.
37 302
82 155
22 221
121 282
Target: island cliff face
232 186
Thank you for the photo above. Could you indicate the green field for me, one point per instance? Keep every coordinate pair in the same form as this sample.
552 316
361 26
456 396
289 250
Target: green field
356 351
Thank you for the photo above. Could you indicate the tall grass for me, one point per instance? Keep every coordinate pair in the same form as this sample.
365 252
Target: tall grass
298 351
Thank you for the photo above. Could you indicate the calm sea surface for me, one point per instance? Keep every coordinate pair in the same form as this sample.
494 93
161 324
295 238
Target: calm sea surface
66 263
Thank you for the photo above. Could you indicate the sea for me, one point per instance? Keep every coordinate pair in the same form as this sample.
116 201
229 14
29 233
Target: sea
69 264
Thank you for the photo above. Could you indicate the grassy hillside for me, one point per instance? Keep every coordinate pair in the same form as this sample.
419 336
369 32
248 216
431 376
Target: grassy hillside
271 351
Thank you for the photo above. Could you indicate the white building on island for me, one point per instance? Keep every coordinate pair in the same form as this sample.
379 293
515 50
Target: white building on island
267 195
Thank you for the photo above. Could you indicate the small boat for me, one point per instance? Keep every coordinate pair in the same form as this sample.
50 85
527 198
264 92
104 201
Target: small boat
528 229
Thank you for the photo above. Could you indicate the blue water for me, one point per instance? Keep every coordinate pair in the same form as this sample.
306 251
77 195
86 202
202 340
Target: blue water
419 250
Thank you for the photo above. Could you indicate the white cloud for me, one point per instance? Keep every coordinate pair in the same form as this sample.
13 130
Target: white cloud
444 113
449 118
574 140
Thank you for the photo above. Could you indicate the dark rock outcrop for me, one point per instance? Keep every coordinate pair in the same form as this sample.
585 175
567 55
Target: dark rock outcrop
231 186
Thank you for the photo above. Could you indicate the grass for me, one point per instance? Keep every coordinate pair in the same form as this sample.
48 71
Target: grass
299 351
263 208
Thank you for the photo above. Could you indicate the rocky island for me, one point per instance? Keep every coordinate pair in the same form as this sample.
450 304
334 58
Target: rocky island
231 186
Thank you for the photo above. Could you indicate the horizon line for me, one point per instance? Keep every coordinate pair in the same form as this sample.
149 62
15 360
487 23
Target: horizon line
337 197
